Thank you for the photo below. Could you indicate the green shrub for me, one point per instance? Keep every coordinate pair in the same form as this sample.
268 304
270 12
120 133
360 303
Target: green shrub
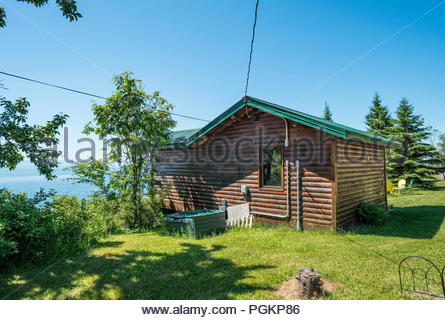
78 224
152 216
33 229
24 226
371 213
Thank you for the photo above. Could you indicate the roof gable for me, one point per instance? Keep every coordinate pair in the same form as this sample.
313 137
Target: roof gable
187 137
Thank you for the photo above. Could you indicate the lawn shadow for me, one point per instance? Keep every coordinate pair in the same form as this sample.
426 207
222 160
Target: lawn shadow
417 222
192 273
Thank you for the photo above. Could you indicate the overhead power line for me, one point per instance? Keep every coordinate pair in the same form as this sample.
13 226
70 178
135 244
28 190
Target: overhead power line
50 85
82 92
251 47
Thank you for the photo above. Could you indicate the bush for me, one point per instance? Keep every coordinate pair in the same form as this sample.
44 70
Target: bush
78 224
32 229
44 227
151 213
371 213
24 227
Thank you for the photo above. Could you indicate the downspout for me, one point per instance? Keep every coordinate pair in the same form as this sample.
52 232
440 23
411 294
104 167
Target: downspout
286 141
286 144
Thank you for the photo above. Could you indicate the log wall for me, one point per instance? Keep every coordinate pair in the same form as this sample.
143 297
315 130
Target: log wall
360 172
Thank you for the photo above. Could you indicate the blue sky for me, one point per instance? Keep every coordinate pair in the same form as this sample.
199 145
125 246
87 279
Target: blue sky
196 52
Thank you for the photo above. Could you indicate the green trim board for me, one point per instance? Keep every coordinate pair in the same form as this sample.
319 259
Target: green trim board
181 139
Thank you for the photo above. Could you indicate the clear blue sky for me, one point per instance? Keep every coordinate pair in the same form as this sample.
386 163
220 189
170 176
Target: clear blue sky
196 53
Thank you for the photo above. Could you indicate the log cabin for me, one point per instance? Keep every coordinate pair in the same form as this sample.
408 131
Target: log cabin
291 167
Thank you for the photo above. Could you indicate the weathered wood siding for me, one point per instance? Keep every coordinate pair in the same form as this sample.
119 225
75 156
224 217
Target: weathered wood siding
198 181
360 172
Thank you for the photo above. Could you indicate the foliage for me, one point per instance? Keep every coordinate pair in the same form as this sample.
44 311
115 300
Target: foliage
327 112
19 139
85 221
32 229
416 158
371 213
378 119
441 146
151 214
23 226
138 125
68 8
97 173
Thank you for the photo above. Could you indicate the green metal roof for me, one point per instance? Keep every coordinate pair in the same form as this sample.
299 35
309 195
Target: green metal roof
187 137
179 138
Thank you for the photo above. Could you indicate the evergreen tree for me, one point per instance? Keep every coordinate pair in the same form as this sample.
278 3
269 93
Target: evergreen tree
441 147
378 119
415 159
327 112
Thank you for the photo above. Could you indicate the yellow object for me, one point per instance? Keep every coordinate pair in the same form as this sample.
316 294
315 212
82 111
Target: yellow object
389 186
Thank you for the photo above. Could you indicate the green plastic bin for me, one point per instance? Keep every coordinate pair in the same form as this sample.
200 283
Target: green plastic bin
197 222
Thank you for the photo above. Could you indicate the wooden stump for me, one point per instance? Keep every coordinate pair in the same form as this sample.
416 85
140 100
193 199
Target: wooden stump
308 283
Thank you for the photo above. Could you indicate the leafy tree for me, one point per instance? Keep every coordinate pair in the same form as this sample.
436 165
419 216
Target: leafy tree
139 125
416 158
19 139
327 112
97 173
378 119
68 8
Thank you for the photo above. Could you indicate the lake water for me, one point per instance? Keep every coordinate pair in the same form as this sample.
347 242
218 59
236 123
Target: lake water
26 178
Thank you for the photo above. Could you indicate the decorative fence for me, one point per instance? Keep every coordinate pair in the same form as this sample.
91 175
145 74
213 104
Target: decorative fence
421 276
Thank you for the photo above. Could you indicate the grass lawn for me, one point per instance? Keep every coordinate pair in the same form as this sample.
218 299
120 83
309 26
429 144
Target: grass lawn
244 264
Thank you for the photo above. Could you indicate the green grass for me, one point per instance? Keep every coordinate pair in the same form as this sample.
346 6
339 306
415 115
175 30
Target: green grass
244 264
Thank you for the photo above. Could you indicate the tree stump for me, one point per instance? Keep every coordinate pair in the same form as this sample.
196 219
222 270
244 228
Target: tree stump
309 283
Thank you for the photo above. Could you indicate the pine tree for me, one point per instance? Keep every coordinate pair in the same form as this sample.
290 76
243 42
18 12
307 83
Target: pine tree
415 159
327 112
441 146
378 119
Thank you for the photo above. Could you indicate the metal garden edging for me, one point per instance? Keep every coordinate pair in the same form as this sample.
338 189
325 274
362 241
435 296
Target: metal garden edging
425 272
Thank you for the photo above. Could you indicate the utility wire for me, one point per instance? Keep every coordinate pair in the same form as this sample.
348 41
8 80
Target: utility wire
251 47
82 92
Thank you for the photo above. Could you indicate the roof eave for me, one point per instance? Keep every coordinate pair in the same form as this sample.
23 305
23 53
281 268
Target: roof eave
380 141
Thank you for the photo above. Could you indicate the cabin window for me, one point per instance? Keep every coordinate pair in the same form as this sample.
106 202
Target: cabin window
271 167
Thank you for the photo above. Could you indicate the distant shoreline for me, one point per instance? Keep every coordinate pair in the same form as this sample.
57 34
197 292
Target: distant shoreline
26 178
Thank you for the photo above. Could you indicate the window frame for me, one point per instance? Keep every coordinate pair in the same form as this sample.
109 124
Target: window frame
270 189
